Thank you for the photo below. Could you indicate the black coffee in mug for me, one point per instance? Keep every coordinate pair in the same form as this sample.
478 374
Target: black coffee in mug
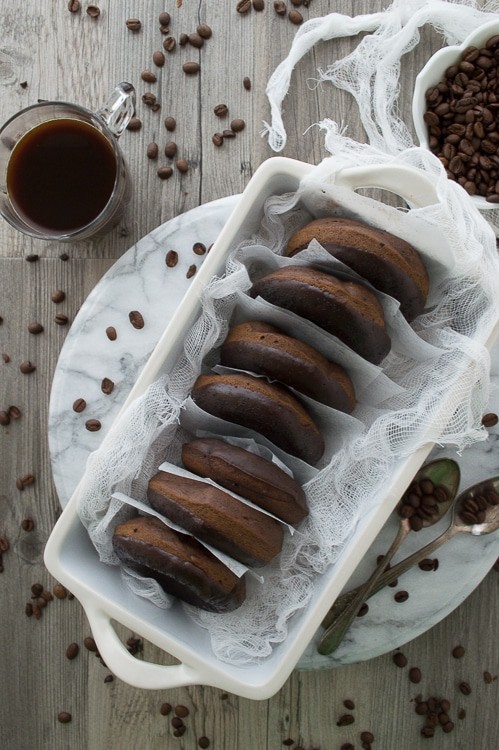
61 175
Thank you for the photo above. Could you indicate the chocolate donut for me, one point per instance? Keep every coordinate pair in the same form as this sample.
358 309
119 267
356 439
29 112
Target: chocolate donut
216 518
247 474
267 350
179 563
346 309
389 263
267 408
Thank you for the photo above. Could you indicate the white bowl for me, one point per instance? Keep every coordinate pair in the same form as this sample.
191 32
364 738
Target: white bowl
433 72
72 559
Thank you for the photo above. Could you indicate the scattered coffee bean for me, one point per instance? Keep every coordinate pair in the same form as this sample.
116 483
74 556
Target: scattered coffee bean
427 731
93 425
400 659
4 544
107 386
363 610
136 319
164 173
64 256
191 68
490 420
165 709
204 30
32 258
5 357
148 76
347 746
401 596
349 704
111 333
458 652
35 327
415 675
180 731
465 688
27 367
247 83
134 124
152 151
228 133
170 149
288 742
93 11
177 722
487 678
37 612
221 110
462 713
171 258
243 6
74 6
149 98
72 651
170 124
191 271
28 480
158 58
36 590
198 248
64 717
195 40
4 418
182 166
237 125
14 412
133 24
169 43
27 524
203 742
90 644
183 39
428 564
61 320
28 609
164 18
345 720
217 139
108 678
181 711
48 596
295 17
280 7
367 737
259 5
60 591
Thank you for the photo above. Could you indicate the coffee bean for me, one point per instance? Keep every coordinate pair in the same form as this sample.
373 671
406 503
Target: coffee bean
93 11
35 328
247 83
180 731
4 544
401 596
427 731
170 149
134 124
203 742
237 125
27 367
4 419
367 737
164 18
465 688
5 357
165 709
158 58
111 333
14 412
204 30
136 319
90 644
72 651
74 6
177 722
61 320
19 485
228 133
198 248
288 742
64 717
32 258
183 39
295 17
149 98
182 166
152 151
191 271
415 675
171 258
221 110
148 76
181 711
217 139
191 68
170 124
133 24
27 524
107 386
462 713
93 425
280 7
363 610
347 746
259 5
487 678
490 420
164 173
108 678
195 40
345 720
349 704
458 652
60 591
400 659
243 6
64 256
36 589
28 609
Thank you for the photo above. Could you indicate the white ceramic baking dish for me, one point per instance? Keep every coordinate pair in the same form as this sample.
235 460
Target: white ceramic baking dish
72 559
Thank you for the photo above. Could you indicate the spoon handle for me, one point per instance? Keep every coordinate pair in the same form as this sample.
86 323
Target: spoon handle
334 634
344 601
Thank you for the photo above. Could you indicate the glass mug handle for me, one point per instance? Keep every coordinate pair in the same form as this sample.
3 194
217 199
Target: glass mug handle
119 109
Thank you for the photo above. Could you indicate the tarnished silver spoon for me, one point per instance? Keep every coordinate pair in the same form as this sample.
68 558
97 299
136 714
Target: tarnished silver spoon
443 474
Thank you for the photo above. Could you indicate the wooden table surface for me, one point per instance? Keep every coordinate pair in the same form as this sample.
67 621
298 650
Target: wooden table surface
47 52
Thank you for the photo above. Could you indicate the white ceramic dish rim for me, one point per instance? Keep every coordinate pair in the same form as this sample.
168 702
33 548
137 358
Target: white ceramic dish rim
433 72
71 558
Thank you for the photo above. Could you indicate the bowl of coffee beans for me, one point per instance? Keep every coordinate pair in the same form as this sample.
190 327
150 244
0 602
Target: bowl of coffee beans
455 111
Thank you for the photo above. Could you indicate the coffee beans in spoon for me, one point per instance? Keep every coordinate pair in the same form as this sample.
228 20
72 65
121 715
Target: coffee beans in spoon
422 501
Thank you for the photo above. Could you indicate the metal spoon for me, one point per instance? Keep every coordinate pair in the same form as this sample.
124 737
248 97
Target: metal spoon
488 489
443 472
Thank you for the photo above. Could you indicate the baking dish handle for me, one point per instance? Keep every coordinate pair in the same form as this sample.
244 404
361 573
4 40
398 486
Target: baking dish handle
414 185
135 672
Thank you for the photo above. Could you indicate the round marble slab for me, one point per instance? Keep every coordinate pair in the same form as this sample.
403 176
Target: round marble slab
141 281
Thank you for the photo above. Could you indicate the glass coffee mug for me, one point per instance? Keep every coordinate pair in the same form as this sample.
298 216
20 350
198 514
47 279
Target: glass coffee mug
62 174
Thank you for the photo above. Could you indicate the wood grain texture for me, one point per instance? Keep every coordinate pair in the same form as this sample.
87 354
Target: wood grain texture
74 57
